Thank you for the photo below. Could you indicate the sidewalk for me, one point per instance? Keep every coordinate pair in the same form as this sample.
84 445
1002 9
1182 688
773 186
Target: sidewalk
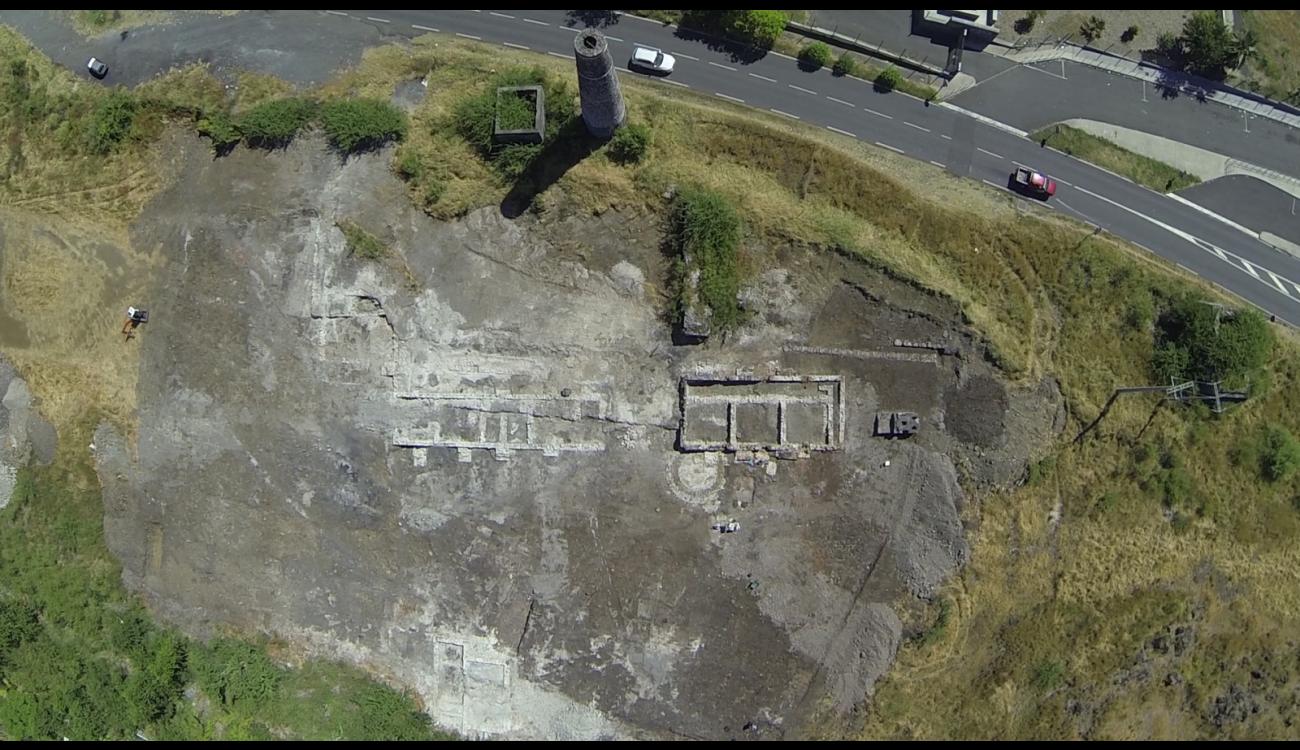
1160 77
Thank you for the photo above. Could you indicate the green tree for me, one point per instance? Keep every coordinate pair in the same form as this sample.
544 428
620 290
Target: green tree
760 28
845 65
112 122
1093 28
815 55
1208 43
1199 341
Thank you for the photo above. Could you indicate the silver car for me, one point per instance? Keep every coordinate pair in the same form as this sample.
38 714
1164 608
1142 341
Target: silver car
97 67
653 60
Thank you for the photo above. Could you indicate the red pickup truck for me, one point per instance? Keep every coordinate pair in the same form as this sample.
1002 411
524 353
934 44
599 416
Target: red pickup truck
1033 183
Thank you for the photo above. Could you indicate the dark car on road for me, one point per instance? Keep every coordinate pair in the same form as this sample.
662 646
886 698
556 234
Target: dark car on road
97 67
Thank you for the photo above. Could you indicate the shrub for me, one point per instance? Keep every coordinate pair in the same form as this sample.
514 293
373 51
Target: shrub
1170 46
889 79
474 116
760 28
236 673
409 165
1092 28
18 624
815 55
221 129
1281 455
1211 47
385 714
515 110
630 143
1026 24
112 121
705 228
359 124
275 123
1129 34
845 65
1199 341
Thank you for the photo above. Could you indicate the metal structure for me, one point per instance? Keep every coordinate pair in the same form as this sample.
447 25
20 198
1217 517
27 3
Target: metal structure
603 110
1209 393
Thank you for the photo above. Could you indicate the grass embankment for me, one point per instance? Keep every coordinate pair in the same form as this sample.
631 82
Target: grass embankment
1141 169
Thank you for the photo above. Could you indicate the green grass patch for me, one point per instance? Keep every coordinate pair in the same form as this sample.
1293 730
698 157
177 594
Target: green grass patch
515 110
706 231
362 243
630 143
474 118
275 123
1143 170
353 125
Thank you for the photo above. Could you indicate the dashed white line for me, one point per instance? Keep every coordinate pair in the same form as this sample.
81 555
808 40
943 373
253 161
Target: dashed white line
763 78
500 15
990 153
423 28
945 137
939 164
516 46
613 38
891 148
841 101
914 125
724 67
533 21
688 57
569 28
676 83
801 88
378 20
470 36
557 54
787 114
337 13
841 132
732 98
878 114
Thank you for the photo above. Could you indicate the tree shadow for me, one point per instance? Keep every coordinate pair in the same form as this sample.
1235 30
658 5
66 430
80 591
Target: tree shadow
809 66
566 150
595 18
743 54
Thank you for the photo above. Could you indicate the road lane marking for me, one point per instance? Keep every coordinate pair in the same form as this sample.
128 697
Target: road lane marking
993 184
557 54
990 153
675 83
470 36
539 23
841 132
1278 281
841 101
688 57
423 28
516 46
764 78
891 148
724 67
337 13
801 88
613 38
378 20
1212 215
914 125
1250 268
878 114
787 114
500 15
986 120
938 164
732 98
945 137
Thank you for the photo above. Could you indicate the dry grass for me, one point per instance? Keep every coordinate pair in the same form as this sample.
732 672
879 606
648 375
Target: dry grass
1275 71
1066 23
91 23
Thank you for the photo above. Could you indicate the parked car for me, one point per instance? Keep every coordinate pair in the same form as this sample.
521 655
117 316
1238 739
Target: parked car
97 67
1033 183
653 60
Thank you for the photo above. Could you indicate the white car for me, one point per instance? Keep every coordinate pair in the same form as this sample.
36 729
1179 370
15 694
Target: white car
97 67
653 60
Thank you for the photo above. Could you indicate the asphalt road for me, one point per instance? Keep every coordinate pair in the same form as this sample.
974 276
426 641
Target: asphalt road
295 41
1250 202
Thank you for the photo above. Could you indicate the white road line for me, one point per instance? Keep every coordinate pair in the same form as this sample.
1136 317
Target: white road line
613 38
688 57
1222 255
993 184
841 101
891 148
539 23
763 78
801 88
1278 281
1047 73
423 28
675 83
841 132
557 54
939 164
990 153
516 46
500 15
878 114
914 125
787 114
986 120
732 98
724 67
470 36
1212 215
568 28
945 137
378 20
1250 268
337 13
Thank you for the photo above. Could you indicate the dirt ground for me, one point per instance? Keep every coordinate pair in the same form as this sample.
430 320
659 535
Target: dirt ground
1065 23
471 484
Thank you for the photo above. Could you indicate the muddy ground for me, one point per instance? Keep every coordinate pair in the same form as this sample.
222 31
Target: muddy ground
458 466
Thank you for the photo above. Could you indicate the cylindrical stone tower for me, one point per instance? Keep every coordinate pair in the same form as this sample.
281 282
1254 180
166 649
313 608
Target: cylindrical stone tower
602 100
